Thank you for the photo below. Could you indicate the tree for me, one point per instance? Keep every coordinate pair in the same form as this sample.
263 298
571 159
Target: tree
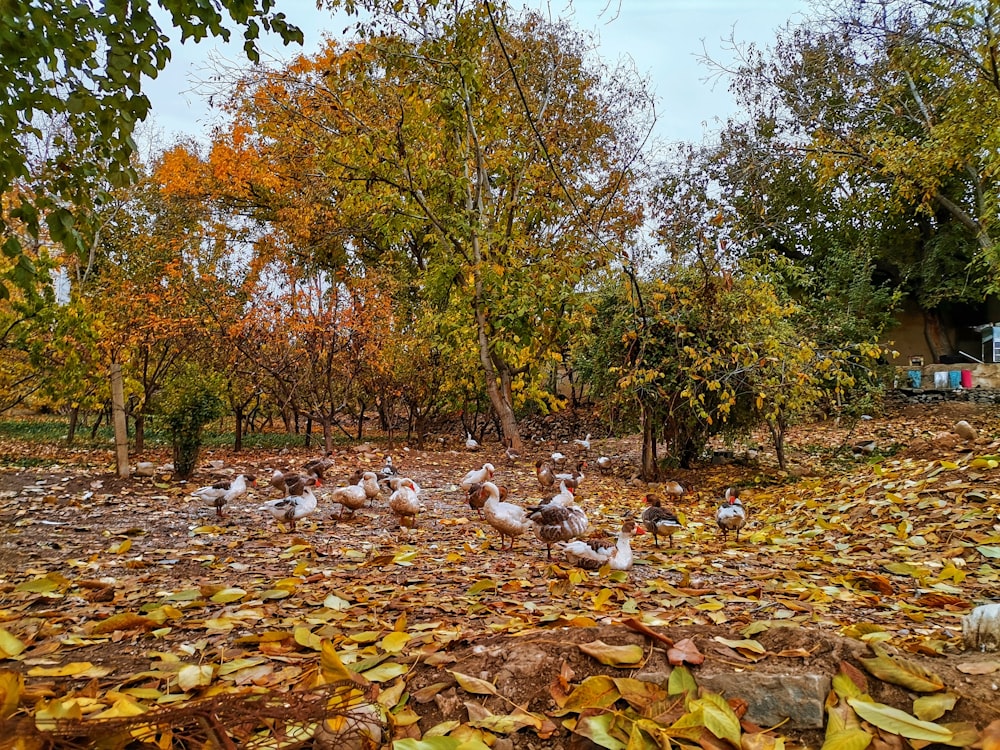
868 135
483 160
82 67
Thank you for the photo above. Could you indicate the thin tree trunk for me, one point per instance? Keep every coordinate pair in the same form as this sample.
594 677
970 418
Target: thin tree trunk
121 429
238 443
74 416
650 472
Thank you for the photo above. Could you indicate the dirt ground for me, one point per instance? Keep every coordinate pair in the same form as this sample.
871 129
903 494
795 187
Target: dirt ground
888 544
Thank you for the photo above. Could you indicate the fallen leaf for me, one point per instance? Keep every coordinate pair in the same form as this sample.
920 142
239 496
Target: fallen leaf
685 651
902 672
899 722
614 656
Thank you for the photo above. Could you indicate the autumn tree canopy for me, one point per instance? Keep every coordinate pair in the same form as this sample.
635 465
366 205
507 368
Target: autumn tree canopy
490 163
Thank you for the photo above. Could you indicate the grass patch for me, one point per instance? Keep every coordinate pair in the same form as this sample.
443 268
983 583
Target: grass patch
52 430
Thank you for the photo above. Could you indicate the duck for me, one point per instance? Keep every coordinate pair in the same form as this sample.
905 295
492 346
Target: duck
369 480
395 483
593 554
558 458
731 516
220 493
553 523
405 503
292 508
352 497
543 470
675 489
477 476
604 465
511 455
388 469
584 444
317 466
658 520
285 482
507 518
471 444
564 497
573 478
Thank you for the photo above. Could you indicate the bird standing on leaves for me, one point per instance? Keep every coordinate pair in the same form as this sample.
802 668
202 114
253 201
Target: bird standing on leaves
293 507
405 503
507 518
543 470
731 516
471 444
658 520
583 444
220 493
317 466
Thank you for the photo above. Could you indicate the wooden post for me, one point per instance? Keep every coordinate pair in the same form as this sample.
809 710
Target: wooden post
118 410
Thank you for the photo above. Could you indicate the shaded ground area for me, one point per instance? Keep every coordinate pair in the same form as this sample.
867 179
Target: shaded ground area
116 588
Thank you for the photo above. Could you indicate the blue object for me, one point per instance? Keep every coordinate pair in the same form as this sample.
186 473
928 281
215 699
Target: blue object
954 379
914 376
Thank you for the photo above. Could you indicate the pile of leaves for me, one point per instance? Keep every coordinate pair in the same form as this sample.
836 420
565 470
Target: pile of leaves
122 599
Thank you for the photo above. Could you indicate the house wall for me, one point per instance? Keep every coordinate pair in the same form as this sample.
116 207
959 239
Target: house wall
907 338
983 376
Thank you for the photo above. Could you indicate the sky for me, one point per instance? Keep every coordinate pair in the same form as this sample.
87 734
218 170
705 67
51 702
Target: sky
663 38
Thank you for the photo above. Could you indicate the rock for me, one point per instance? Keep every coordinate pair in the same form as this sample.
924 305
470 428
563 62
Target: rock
772 698
145 469
981 628
965 430
945 440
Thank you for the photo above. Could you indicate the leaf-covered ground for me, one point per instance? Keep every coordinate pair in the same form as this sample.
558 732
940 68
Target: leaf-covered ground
119 597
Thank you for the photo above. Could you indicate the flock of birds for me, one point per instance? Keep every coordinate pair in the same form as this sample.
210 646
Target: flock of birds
557 521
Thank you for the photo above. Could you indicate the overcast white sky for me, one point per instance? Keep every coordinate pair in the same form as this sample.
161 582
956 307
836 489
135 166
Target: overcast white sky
664 38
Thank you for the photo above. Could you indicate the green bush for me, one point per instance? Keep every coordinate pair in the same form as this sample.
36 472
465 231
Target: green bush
191 401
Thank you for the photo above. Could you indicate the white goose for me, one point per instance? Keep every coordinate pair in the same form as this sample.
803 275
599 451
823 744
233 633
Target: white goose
220 493
405 503
509 519
292 508
477 476
592 554
353 496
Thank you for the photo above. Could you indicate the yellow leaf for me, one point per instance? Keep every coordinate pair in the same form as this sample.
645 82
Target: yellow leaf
629 654
227 595
11 687
474 684
10 645
331 668
193 676
66 670
395 641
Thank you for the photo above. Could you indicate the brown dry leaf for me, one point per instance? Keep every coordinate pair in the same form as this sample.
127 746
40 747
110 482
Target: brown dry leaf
123 621
990 738
978 667
685 652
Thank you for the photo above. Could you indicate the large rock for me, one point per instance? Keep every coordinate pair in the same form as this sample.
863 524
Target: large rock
772 698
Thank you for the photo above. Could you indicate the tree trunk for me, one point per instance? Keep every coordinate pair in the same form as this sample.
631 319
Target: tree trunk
327 434
361 420
74 416
121 429
650 471
778 437
238 443
140 431
938 337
